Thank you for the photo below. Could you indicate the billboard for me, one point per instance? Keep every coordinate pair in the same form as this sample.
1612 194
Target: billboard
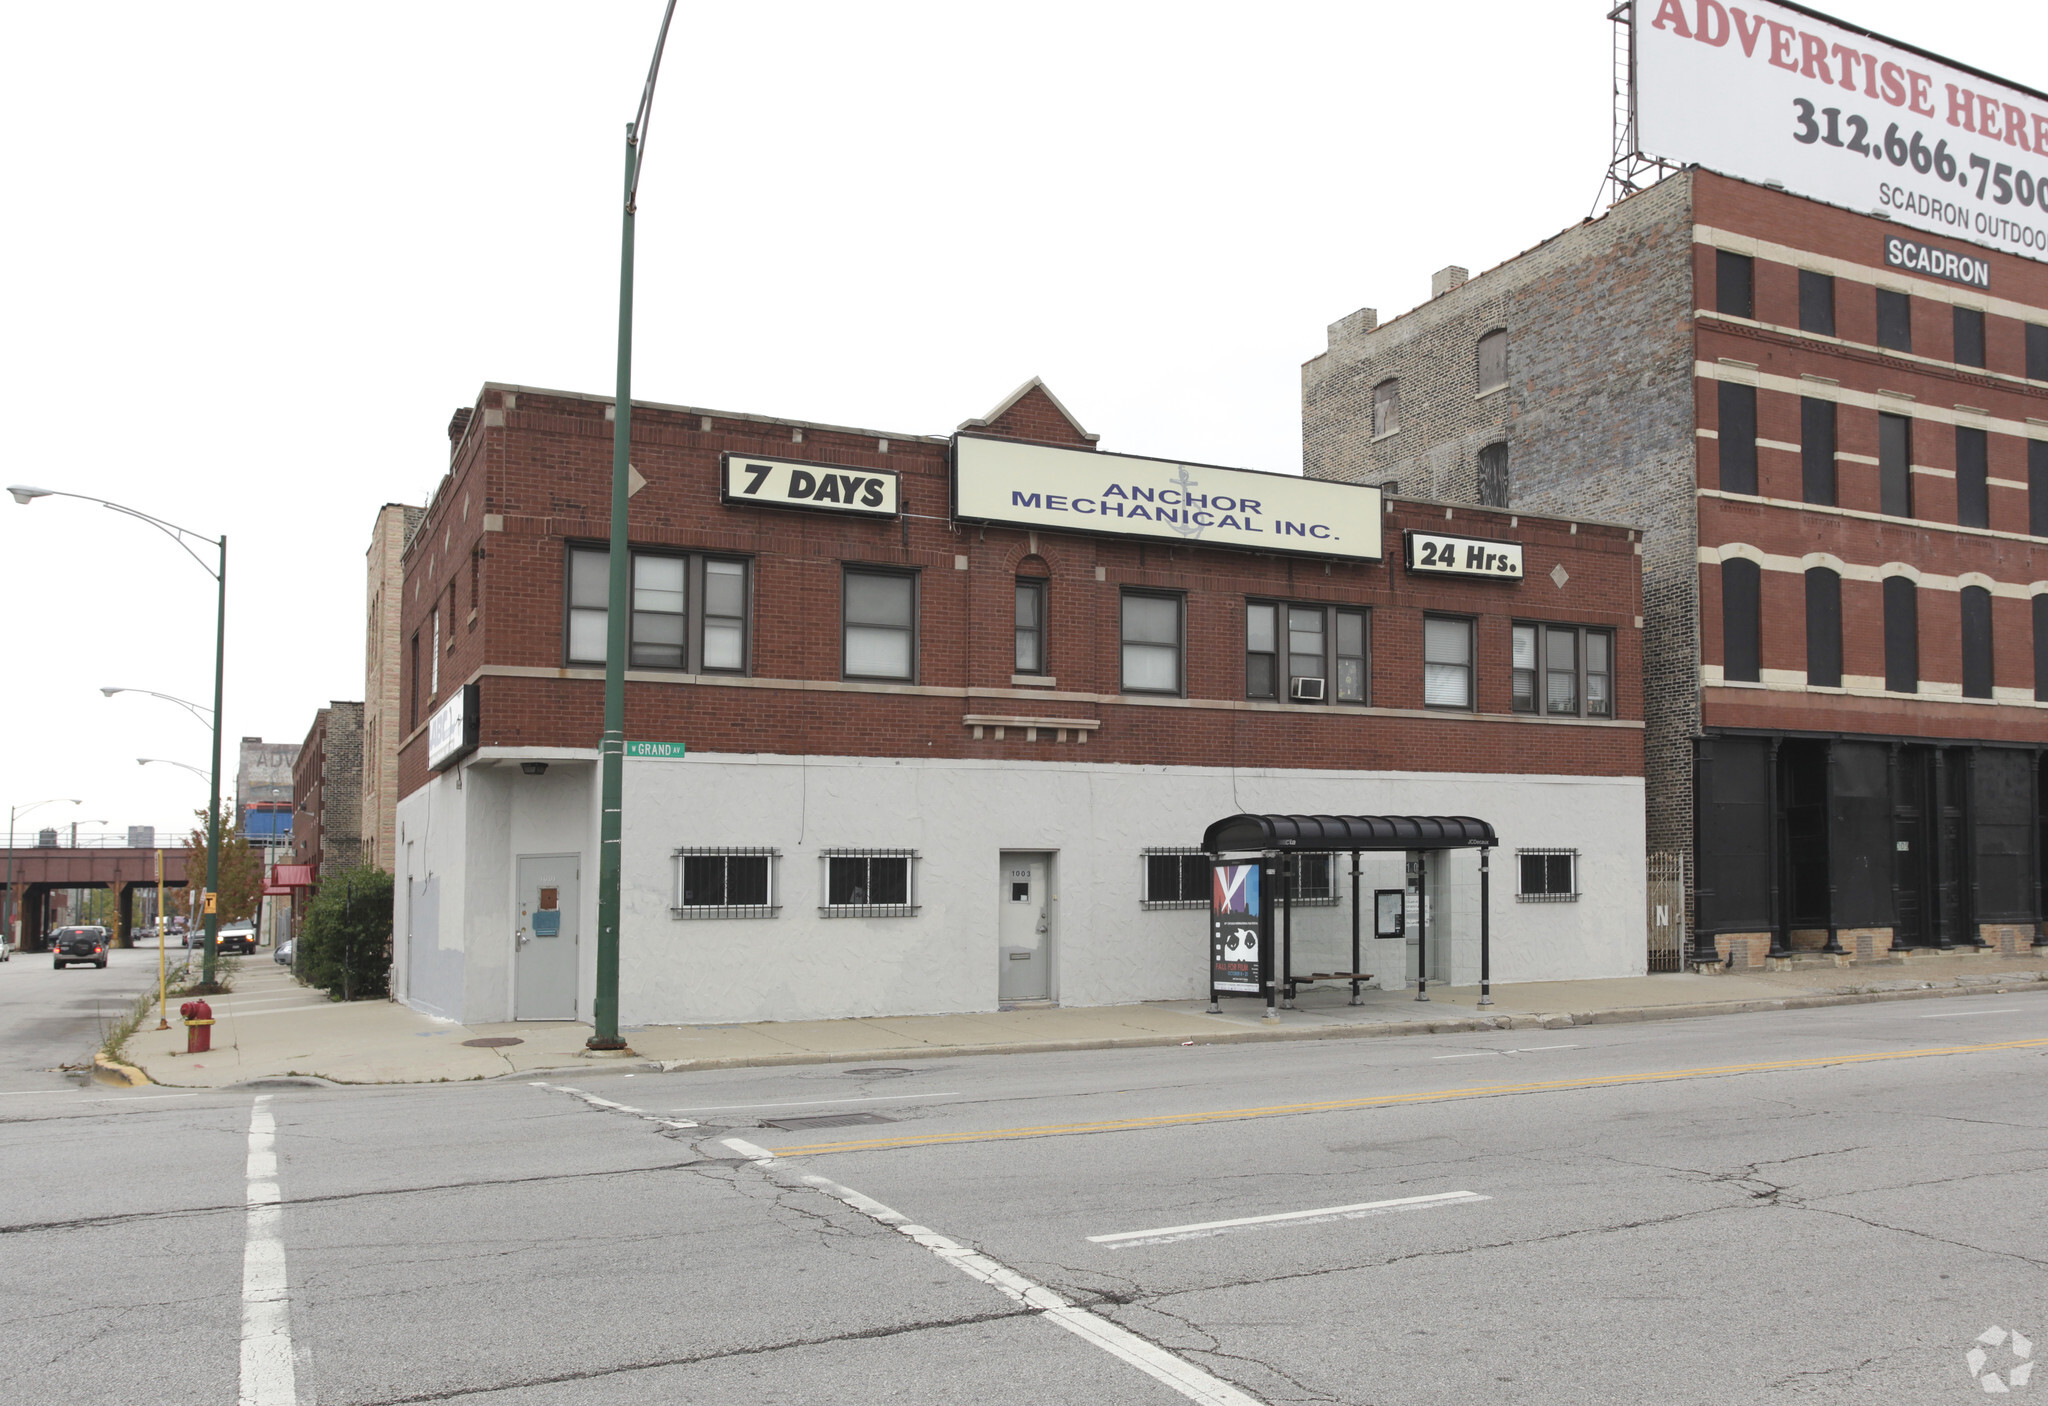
1080 490
1773 93
1234 925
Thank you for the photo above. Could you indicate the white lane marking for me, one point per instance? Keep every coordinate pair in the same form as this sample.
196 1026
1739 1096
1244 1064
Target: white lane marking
1531 1049
267 1375
1155 1361
611 1107
816 1102
1950 1015
749 1151
1326 1213
1469 1054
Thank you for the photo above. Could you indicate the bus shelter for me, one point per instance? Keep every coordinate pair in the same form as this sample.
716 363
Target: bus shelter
1264 866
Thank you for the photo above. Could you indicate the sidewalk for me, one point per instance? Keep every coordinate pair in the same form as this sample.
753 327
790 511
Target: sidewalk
271 1027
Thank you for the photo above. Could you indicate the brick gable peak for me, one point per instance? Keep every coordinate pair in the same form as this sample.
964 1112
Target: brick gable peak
1033 412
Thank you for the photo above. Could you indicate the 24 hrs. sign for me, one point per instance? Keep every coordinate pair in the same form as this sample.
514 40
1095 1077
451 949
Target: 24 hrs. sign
785 483
1440 554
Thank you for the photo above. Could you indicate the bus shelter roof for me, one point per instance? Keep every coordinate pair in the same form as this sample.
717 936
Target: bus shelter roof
1337 833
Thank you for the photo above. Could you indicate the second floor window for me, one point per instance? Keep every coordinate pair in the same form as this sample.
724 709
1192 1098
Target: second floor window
1493 361
1563 670
1031 627
1741 620
1823 628
1977 675
1151 643
684 611
880 629
1386 408
1901 635
1446 662
1325 651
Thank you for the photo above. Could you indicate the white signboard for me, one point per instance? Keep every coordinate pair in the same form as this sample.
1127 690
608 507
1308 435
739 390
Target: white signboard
452 730
1079 490
1441 554
1768 93
788 483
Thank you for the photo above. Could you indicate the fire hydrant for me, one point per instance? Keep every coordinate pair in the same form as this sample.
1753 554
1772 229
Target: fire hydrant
198 1026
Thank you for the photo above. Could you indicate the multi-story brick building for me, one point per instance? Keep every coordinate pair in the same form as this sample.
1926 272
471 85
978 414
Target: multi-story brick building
396 522
889 753
327 780
1840 463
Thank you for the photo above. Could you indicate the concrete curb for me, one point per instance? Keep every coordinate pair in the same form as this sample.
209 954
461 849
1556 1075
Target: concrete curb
116 1074
1621 1015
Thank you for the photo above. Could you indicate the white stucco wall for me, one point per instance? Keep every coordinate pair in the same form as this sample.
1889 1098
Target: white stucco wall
960 815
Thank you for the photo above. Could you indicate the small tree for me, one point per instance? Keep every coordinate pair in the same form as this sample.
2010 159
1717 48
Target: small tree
241 869
344 944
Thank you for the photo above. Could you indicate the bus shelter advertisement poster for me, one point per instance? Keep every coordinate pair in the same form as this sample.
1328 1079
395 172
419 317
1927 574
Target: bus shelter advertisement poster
1766 93
1234 928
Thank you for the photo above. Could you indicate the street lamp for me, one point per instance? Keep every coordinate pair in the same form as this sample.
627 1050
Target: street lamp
612 747
166 761
7 902
204 715
25 494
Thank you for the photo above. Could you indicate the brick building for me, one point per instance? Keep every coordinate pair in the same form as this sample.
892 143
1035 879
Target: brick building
378 826
327 781
935 764
1841 470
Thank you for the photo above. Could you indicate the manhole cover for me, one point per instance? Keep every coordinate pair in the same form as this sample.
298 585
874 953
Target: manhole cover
830 1120
492 1042
882 1073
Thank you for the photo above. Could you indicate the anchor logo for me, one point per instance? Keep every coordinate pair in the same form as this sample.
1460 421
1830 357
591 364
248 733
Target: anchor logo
1184 526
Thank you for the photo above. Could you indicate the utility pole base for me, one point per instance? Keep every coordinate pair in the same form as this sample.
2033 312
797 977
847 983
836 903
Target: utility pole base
601 1047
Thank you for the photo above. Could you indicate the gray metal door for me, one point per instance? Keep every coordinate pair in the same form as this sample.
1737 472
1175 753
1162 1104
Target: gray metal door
544 967
1024 928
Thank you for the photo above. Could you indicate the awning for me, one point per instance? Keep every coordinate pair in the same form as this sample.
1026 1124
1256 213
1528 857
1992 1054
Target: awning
286 877
273 891
1336 833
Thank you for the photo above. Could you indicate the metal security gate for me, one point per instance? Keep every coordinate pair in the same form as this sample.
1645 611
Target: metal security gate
1665 905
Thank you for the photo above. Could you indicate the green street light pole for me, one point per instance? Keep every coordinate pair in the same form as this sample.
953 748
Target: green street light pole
612 748
25 495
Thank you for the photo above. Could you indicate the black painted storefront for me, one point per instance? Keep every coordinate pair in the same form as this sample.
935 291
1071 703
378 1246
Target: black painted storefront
1927 838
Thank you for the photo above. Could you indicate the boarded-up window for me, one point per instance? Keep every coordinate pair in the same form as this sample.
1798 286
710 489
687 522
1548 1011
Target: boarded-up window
1973 469
1969 337
1734 278
1741 620
1895 465
1976 642
1386 408
1493 361
1738 438
1823 628
1816 302
1894 320
1493 476
1901 635
1817 450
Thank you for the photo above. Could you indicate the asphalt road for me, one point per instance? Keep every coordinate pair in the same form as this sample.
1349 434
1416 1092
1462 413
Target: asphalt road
1828 1205
50 1019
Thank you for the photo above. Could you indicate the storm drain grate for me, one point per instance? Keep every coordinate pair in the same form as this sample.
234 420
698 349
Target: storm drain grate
829 1120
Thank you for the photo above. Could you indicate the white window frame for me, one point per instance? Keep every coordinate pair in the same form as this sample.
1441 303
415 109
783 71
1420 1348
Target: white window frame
679 909
829 909
1524 897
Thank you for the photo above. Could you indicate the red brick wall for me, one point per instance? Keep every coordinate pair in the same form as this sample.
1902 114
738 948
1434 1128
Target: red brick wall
543 465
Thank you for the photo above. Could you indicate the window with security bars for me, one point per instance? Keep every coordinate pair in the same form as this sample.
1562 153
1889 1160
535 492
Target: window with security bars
1313 883
1547 876
870 883
1175 878
725 883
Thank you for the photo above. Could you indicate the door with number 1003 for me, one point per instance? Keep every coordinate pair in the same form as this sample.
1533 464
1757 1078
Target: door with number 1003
1024 928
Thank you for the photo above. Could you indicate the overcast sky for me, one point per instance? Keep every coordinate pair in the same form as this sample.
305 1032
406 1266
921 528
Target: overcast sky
257 254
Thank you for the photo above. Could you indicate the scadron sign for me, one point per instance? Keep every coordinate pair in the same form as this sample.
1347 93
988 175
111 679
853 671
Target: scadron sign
1769 93
1441 554
1078 490
452 730
789 483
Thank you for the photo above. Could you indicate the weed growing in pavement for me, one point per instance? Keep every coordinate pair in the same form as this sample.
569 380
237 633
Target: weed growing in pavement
225 970
114 1038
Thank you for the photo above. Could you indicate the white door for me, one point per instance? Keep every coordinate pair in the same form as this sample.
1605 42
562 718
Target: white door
544 968
1024 928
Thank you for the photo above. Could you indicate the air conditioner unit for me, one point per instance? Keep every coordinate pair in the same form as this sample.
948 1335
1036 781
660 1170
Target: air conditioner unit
1308 690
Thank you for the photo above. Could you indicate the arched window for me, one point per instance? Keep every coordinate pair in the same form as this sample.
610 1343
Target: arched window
1823 628
1386 408
1976 642
1493 360
1493 476
1901 635
1741 620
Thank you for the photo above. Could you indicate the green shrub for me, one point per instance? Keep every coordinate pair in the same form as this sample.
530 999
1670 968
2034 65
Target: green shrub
344 945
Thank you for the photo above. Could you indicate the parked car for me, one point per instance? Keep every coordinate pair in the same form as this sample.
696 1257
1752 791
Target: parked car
236 937
70 946
283 955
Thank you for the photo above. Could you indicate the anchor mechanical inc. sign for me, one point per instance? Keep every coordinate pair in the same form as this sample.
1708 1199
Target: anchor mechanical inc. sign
1768 92
1079 490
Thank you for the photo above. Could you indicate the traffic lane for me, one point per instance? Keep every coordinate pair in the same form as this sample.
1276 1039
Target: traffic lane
1604 1206
589 1279
50 1019
123 1287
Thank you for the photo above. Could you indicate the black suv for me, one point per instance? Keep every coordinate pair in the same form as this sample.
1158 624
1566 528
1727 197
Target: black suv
69 945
